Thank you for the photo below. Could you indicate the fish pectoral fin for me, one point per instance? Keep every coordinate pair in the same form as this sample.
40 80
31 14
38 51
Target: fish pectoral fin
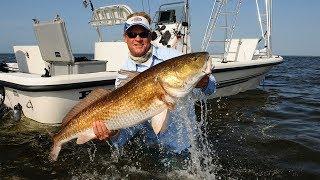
166 97
171 90
165 86
159 122
168 100
85 137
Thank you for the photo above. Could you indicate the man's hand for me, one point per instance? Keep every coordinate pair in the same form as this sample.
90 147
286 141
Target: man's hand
203 82
101 131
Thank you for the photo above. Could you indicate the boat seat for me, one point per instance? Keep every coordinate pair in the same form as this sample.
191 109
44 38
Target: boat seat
29 59
106 51
55 49
242 49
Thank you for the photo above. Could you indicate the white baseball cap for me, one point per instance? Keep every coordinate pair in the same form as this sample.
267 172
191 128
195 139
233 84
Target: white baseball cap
137 20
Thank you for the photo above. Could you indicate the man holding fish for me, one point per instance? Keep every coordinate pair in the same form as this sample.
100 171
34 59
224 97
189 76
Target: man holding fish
142 56
146 103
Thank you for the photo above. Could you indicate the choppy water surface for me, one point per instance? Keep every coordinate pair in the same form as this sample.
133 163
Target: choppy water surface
273 132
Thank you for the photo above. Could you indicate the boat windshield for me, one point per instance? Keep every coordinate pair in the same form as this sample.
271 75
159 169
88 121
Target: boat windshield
170 13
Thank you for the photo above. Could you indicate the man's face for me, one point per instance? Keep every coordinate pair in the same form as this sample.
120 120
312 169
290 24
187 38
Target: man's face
138 43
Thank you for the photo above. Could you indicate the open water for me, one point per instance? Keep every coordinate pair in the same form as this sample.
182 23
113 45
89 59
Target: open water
272 132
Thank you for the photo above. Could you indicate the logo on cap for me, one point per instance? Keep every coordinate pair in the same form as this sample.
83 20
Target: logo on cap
137 19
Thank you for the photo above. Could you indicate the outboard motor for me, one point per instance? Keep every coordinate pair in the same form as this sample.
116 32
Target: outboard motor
2 95
4 67
3 110
17 110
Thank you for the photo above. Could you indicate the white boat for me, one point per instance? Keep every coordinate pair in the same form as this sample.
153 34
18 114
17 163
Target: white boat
47 80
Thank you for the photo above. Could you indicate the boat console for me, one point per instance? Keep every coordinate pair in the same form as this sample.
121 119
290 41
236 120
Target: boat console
172 28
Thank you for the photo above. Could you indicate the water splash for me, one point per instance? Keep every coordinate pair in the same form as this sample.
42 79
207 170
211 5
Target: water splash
203 161
137 160
92 151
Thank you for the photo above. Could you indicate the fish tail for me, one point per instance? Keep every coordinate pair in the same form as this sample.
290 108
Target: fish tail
55 150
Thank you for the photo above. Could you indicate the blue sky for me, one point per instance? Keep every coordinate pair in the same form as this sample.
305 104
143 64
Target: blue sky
296 27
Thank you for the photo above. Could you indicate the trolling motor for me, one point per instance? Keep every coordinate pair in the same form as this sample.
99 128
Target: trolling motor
17 111
2 95
3 67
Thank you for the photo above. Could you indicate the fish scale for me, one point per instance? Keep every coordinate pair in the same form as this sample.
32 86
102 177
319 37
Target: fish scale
125 120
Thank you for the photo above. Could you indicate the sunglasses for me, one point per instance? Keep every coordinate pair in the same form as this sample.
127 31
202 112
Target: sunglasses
143 34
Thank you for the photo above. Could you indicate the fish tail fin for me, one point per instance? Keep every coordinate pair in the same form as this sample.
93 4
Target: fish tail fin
55 150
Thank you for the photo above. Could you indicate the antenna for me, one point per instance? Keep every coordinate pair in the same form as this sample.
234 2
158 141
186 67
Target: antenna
86 3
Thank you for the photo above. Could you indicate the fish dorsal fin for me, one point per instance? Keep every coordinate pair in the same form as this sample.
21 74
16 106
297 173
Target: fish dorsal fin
93 97
159 122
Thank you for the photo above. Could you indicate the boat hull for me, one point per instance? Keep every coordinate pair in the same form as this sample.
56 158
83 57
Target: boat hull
48 99
47 107
233 78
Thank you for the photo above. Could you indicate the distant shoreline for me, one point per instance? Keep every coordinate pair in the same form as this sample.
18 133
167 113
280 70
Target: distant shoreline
77 54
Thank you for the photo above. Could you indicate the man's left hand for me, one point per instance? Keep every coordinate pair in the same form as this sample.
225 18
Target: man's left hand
203 82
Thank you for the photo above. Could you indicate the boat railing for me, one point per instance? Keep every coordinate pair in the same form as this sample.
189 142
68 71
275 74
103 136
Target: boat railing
220 28
109 16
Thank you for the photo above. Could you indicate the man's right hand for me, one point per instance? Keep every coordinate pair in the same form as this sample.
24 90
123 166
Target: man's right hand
101 131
